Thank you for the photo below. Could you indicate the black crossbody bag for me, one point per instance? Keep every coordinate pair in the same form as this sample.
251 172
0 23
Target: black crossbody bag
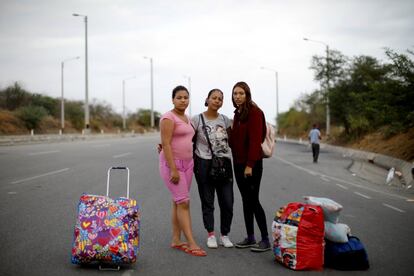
220 166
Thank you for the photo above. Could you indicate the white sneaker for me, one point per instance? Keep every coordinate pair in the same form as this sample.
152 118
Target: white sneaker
225 241
212 242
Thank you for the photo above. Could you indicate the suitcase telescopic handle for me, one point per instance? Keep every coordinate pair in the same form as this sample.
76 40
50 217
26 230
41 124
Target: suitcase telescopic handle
109 174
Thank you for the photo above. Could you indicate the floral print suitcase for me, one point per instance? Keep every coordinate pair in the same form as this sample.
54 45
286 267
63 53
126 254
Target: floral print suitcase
106 229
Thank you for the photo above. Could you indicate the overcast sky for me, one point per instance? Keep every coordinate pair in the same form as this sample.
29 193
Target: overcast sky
216 43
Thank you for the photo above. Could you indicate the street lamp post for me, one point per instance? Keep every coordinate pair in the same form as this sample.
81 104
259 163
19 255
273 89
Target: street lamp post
86 71
328 116
123 102
277 92
62 107
152 92
189 90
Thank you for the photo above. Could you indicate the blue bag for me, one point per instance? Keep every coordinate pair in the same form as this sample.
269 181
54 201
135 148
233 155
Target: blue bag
346 256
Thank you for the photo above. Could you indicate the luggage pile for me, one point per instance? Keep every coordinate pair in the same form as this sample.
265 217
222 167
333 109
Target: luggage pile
342 251
308 236
106 229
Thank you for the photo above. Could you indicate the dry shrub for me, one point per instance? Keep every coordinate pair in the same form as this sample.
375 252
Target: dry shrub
49 125
11 124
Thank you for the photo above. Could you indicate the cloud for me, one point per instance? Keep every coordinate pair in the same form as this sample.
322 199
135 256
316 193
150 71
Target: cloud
215 42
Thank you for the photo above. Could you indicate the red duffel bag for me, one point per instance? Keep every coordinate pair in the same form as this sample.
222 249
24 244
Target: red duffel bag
298 232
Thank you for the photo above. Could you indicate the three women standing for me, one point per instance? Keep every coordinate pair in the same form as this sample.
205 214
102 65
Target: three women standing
176 166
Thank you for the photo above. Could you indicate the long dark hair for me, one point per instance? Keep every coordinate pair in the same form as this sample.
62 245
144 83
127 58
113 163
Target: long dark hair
179 88
248 104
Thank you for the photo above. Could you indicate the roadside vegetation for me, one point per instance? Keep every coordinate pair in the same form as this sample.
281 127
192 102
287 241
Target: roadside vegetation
22 111
371 106
371 103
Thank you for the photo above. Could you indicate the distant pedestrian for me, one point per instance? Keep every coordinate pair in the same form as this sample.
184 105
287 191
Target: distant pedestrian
176 169
314 137
216 126
246 138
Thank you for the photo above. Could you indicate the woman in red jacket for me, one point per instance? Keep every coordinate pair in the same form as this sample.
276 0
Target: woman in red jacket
245 140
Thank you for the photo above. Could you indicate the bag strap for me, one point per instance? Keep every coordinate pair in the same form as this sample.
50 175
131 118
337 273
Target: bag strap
206 134
264 129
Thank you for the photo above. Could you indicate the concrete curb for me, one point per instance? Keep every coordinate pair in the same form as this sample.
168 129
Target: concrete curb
52 138
383 161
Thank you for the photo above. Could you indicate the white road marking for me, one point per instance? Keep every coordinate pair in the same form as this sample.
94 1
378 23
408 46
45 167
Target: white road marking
12 193
38 176
43 152
341 180
342 186
324 178
394 208
365 196
122 155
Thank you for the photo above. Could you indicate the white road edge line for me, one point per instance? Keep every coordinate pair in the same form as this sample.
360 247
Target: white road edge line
342 186
121 155
341 180
43 152
394 208
365 196
38 176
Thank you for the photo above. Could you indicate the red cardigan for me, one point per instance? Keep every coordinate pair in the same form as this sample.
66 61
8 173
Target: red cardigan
246 137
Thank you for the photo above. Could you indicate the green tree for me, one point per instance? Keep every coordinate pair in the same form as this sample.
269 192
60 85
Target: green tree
14 97
52 105
143 117
74 113
31 115
356 100
401 86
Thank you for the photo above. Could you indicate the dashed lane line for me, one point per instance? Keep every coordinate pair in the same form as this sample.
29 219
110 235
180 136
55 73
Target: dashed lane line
122 155
324 178
364 196
394 208
43 152
342 186
339 180
39 176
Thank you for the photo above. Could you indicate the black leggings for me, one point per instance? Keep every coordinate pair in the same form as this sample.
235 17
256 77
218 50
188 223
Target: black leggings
207 189
249 189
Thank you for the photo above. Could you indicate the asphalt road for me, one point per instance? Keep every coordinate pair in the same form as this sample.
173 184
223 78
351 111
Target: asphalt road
40 186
